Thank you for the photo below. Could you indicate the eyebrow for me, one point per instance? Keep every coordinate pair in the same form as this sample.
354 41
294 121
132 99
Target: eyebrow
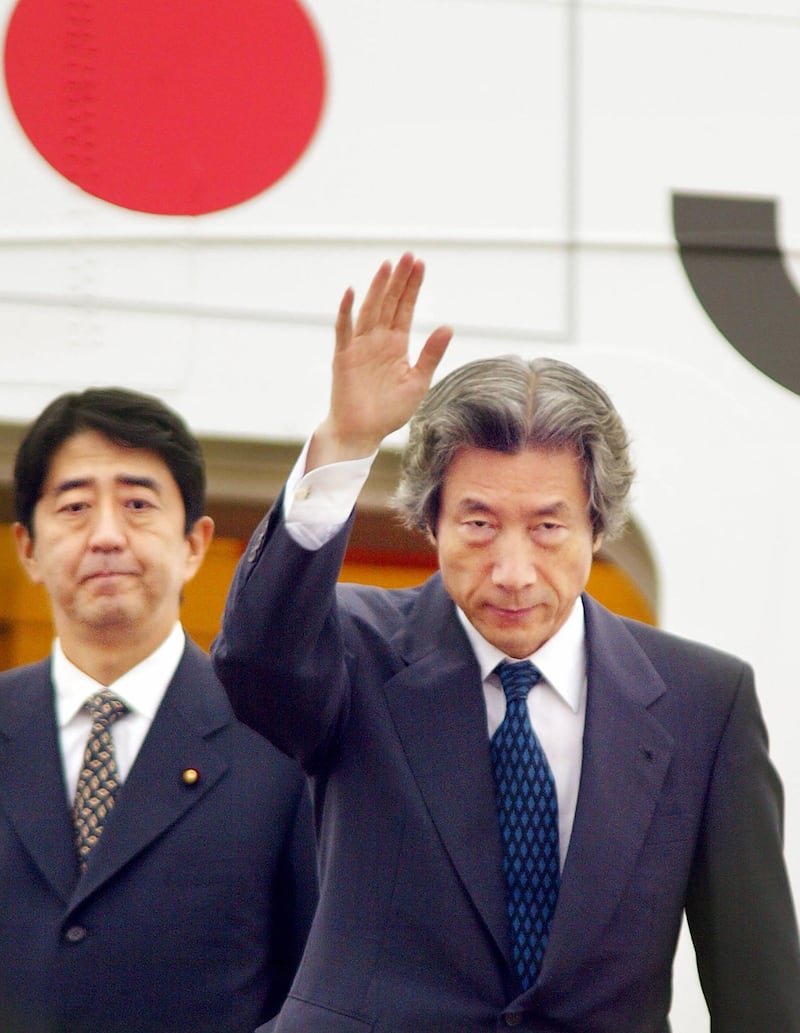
125 481
473 504
554 509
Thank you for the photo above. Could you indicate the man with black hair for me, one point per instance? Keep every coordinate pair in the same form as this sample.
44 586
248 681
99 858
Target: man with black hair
157 872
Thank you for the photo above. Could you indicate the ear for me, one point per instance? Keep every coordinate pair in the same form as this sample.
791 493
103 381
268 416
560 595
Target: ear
598 541
198 540
26 551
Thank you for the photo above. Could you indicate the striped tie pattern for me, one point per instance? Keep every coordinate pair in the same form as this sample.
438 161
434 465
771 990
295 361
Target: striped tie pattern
98 782
528 814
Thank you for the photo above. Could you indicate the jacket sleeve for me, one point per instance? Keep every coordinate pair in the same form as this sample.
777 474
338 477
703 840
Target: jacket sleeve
280 652
739 907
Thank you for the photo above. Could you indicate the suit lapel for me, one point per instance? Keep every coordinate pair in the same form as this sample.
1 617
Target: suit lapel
626 755
438 710
156 794
32 790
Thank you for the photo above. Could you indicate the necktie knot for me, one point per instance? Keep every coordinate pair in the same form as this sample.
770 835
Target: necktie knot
517 678
105 708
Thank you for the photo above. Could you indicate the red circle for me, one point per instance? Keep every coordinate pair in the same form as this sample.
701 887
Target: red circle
175 107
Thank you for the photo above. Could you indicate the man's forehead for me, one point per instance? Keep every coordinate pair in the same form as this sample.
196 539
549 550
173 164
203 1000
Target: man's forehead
87 457
121 480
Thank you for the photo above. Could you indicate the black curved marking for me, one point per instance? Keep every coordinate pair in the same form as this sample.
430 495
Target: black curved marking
729 249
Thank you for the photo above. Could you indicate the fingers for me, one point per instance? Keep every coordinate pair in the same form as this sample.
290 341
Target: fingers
392 295
344 320
370 311
401 293
389 303
433 351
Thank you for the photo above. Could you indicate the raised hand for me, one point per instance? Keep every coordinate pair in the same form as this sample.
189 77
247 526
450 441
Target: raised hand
375 387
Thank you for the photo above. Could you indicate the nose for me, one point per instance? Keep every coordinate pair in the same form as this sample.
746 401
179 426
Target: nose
514 566
107 529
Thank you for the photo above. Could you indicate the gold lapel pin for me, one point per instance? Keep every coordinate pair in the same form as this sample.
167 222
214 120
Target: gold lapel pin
190 776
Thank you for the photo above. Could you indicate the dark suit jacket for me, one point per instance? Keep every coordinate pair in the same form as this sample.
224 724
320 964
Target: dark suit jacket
197 899
378 694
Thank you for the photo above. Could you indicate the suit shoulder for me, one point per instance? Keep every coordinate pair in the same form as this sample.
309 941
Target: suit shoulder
384 607
25 686
677 651
676 657
25 673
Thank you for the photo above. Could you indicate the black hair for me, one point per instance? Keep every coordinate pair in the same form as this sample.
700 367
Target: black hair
127 418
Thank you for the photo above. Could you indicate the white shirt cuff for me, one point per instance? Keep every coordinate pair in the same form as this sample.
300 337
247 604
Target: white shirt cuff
317 504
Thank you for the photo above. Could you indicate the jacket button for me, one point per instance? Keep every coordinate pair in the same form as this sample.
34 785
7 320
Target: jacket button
75 934
513 1018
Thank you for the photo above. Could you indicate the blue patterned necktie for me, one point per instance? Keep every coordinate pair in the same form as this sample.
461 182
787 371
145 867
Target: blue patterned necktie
528 814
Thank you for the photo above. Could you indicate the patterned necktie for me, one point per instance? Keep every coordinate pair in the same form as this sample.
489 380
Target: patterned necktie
97 782
528 813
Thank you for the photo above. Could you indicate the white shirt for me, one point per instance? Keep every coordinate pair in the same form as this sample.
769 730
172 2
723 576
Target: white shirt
556 706
316 504
141 689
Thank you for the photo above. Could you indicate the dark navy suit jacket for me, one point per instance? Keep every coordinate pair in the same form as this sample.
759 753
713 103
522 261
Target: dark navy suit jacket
378 694
194 909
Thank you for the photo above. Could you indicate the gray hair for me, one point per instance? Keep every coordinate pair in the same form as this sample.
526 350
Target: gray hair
510 404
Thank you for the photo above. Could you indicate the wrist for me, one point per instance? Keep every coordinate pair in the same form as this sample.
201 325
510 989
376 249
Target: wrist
328 446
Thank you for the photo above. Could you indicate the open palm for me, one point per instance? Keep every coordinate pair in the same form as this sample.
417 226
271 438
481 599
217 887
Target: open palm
375 387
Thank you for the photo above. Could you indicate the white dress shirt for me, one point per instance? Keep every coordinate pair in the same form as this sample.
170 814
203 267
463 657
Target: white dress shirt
141 689
317 504
556 706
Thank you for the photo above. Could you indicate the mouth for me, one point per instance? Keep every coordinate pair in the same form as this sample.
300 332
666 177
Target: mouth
511 613
105 575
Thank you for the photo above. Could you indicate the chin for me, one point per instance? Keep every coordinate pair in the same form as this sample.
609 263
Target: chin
514 647
518 647
110 617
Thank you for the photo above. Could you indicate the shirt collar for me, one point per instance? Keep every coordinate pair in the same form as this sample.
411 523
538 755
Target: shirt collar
562 658
141 688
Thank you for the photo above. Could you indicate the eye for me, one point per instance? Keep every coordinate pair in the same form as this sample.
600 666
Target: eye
549 532
139 504
478 530
73 507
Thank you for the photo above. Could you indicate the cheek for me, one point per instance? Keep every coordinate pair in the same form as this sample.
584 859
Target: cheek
454 569
174 566
575 571
53 563
462 563
564 568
